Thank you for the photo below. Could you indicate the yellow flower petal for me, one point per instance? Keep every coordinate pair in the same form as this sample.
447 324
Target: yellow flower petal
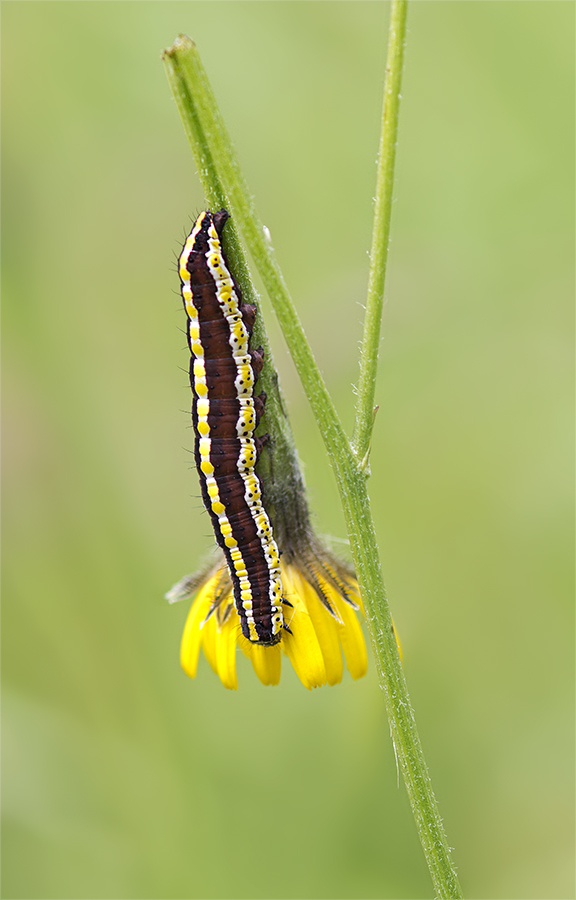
267 662
351 638
325 626
302 647
209 634
191 638
227 635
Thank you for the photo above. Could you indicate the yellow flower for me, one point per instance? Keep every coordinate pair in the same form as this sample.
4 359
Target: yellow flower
321 631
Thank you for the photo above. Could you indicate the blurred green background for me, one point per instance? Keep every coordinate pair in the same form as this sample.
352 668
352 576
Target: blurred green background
124 779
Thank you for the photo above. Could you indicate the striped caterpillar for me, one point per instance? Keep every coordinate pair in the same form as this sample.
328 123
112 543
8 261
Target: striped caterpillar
225 414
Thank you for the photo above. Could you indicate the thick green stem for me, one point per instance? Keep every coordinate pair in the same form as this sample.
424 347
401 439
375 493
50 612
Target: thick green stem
225 185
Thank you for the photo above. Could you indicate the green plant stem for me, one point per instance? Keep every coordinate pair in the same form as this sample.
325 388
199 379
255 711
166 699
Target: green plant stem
380 233
225 185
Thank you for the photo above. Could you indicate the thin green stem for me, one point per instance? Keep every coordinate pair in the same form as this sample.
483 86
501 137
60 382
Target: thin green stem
380 233
225 185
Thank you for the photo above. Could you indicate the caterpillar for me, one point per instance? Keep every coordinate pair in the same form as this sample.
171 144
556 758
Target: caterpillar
225 414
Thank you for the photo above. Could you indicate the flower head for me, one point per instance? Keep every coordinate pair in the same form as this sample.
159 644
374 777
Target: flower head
304 602
321 599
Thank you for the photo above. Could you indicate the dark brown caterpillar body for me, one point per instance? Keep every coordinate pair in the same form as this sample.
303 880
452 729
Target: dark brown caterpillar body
225 413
